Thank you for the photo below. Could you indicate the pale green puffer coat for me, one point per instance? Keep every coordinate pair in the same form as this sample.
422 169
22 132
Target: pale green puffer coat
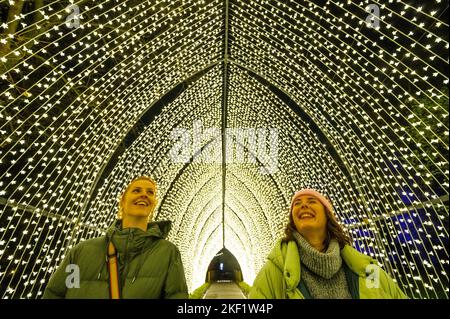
280 276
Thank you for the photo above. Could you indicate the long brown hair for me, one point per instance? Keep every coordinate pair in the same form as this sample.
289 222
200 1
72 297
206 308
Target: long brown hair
334 230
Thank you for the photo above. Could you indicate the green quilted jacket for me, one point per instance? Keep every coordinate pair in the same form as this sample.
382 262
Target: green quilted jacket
149 266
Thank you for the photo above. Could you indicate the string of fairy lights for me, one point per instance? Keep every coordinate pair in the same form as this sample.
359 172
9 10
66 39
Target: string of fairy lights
262 69
109 120
204 97
69 97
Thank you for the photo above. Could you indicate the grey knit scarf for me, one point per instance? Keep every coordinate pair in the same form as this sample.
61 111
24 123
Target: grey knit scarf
322 272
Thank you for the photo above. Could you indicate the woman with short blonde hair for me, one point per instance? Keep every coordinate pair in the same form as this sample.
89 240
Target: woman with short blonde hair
133 259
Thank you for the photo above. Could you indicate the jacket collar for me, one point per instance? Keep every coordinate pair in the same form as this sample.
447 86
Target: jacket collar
158 229
285 256
134 240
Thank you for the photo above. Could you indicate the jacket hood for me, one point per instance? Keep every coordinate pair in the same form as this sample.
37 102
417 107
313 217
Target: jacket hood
158 229
131 241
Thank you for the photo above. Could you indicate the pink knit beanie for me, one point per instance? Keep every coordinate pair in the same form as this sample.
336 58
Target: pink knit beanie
325 202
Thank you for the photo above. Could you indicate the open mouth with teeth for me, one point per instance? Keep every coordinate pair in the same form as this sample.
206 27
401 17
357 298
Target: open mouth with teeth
141 203
306 215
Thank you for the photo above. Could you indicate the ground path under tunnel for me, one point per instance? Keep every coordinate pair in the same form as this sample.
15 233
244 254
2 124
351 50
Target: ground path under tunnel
224 290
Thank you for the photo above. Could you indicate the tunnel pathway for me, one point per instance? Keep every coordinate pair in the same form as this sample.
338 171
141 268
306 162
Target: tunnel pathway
224 290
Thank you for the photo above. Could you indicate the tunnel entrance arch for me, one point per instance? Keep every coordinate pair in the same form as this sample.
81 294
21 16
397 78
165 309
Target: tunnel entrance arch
224 267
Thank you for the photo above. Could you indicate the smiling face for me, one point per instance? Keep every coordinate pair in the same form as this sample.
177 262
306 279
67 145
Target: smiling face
309 215
139 199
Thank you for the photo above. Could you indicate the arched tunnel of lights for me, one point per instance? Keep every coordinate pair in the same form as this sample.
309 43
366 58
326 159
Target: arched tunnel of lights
356 106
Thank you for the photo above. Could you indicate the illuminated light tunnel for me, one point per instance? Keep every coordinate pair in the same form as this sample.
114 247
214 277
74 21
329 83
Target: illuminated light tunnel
347 97
224 267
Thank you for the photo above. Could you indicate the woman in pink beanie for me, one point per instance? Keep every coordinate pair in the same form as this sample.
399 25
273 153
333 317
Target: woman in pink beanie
315 259
326 227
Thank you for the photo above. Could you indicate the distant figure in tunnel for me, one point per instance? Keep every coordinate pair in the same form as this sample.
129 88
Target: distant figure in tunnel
133 260
315 259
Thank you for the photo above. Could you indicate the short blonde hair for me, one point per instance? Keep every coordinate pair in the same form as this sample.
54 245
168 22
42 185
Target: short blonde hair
142 177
